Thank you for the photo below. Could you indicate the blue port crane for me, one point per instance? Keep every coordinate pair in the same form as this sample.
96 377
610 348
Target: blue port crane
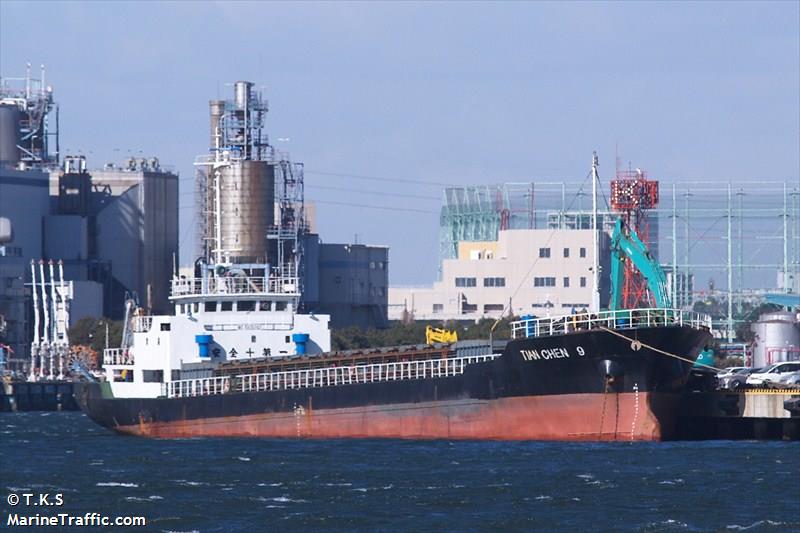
627 244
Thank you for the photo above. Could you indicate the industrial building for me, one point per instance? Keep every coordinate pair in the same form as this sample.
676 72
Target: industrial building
523 272
28 124
115 229
349 282
24 202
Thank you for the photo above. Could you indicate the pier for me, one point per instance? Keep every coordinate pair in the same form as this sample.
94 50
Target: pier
760 414
37 396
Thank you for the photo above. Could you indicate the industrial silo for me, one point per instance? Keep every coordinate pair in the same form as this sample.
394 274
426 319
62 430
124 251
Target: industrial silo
238 181
9 135
777 338
246 198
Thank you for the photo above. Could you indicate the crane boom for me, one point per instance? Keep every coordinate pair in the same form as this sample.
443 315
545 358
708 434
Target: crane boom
635 250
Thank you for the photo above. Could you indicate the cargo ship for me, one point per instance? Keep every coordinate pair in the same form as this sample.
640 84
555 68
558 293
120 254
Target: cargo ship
602 376
237 360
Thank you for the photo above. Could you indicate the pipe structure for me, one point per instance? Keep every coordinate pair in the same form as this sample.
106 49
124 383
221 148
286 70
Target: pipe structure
44 352
53 324
64 315
36 339
65 300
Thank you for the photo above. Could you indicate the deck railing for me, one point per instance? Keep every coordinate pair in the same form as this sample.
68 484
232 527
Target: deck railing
141 324
117 356
619 319
196 387
234 286
347 375
325 377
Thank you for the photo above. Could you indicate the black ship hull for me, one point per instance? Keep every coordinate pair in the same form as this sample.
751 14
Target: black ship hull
585 385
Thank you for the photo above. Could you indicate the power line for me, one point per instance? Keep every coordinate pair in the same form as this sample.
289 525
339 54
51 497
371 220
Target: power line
383 207
381 178
376 193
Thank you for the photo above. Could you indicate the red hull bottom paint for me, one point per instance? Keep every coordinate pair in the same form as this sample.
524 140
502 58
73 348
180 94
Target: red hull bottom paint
573 417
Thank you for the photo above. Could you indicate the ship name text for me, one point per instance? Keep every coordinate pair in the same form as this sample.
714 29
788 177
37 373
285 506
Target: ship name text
548 354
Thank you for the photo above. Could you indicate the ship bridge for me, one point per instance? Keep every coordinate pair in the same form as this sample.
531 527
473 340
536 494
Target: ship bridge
239 283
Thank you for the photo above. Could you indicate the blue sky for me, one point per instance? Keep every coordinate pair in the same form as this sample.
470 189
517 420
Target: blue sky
462 93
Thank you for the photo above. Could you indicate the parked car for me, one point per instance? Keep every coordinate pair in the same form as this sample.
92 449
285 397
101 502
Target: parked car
772 373
734 378
793 378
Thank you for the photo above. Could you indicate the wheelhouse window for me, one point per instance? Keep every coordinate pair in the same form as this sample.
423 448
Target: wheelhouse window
153 376
246 306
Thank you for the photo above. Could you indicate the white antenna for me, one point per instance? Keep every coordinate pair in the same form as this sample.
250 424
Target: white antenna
595 240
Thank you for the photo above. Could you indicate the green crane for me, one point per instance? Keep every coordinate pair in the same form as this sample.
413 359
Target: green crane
633 248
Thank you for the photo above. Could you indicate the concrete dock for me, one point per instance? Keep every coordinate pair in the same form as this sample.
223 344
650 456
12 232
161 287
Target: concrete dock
762 414
37 396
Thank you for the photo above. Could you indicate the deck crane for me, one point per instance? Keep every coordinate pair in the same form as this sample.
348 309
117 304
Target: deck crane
627 244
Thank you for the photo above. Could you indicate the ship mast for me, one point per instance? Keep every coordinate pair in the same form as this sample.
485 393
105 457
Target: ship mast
595 307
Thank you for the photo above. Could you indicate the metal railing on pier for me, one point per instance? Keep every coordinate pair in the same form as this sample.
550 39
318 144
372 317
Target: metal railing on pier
619 319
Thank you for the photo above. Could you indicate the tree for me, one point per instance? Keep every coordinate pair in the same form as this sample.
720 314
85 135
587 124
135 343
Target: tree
91 331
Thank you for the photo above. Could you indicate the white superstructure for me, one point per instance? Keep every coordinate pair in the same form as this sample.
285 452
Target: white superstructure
230 312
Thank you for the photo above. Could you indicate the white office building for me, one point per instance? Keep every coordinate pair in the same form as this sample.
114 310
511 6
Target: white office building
523 272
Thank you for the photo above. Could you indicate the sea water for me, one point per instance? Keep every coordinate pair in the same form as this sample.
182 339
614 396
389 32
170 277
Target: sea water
253 485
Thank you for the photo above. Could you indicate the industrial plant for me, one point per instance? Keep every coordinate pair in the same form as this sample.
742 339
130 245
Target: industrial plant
113 231
246 189
520 248
515 249
264 289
